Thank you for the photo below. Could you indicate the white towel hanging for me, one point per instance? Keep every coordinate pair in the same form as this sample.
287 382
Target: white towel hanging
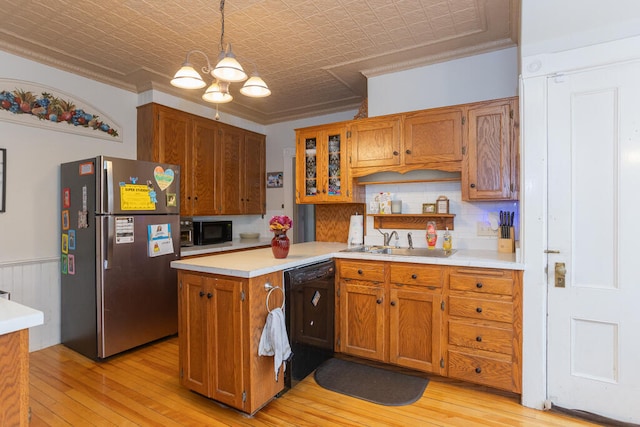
274 340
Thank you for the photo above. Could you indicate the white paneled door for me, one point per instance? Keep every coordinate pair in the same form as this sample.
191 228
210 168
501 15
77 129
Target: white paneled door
594 225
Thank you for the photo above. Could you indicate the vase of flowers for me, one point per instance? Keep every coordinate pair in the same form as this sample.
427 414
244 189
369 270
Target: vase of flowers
279 224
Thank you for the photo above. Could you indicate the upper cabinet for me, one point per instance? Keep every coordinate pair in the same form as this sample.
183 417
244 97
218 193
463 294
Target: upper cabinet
375 144
434 138
479 140
322 166
222 166
428 139
490 167
241 172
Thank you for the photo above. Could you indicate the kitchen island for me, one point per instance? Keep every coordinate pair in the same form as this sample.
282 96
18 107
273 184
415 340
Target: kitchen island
15 321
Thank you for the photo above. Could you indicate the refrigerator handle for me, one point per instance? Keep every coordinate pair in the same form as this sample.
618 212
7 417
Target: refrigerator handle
108 236
108 167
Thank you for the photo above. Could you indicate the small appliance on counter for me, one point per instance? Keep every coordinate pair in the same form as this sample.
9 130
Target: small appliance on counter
212 232
186 232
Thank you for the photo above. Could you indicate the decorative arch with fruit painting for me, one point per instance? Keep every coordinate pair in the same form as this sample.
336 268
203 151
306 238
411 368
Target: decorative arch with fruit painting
37 105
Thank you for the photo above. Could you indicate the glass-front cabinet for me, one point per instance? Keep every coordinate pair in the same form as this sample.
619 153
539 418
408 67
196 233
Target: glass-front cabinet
321 163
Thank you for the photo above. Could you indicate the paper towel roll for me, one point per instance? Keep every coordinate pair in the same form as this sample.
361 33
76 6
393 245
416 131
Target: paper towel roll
356 230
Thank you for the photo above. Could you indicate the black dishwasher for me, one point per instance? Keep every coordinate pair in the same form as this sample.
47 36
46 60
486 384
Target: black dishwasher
309 313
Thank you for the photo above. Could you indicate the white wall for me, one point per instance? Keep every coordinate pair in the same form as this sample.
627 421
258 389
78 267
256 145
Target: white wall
476 78
30 226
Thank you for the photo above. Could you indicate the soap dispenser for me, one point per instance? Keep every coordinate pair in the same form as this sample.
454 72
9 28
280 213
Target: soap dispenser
446 241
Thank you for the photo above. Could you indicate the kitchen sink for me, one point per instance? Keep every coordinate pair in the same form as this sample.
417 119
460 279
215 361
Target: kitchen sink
389 250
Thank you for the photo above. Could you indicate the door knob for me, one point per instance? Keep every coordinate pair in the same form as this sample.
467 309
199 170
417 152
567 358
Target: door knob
561 272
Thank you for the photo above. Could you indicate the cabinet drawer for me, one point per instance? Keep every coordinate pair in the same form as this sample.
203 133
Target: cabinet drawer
362 271
481 283
481 337
417 274
494 372
477 308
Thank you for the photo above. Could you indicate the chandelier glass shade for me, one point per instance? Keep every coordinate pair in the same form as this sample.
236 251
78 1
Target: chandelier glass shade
227 70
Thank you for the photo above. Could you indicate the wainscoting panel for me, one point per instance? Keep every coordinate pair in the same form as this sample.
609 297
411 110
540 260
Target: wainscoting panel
36 284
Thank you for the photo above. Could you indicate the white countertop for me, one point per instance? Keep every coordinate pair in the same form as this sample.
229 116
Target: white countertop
257 262
224 247
14 317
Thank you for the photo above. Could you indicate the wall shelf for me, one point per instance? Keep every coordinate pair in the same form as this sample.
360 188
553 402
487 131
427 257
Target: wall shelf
412 221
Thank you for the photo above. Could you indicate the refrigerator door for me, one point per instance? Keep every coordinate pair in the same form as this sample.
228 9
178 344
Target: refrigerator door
137 293
78 272
137 187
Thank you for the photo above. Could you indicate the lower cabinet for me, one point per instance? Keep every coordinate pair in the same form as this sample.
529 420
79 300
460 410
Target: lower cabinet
484 327
460 322
211 337
220 323
391 312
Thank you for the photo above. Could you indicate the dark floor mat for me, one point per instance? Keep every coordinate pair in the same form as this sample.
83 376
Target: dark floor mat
369 383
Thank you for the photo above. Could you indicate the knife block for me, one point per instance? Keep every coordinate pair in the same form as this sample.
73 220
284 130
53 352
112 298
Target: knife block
507 245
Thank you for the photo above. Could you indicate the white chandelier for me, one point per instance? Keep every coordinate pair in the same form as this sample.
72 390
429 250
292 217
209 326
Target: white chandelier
228 70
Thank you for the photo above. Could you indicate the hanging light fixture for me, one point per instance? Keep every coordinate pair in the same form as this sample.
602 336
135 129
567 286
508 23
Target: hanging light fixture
227 70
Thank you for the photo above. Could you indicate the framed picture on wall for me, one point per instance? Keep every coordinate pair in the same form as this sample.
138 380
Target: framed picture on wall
274 179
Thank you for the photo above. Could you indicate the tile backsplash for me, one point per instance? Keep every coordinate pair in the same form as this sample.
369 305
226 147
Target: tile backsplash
467 214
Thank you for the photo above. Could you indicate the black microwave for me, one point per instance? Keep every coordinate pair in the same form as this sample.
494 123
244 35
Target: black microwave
211 232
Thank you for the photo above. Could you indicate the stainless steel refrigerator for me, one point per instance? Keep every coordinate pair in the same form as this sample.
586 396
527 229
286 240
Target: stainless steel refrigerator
120 229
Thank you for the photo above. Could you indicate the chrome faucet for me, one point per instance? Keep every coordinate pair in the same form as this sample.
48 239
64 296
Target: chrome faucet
388 236
410 240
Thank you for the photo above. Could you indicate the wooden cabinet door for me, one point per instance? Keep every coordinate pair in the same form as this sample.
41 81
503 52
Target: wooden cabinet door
226 337
362 319
173 147
228 171
309 168
203 166
433 136
193 335
415 324
491 155
254 174
375 142
323 166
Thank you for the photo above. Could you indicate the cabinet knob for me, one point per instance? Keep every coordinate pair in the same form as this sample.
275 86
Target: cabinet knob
478 285
472 185
414 276
201 294
478 370
209 295
359 271
479 309
408 151
324 191
195 198
395 153
393 303
479 338
379 301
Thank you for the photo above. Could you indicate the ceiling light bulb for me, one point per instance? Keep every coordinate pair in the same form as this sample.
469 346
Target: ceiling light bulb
188 78
255 87
229 69
217 93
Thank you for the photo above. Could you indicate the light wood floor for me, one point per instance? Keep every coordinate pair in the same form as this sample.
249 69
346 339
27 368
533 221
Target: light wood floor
141 388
